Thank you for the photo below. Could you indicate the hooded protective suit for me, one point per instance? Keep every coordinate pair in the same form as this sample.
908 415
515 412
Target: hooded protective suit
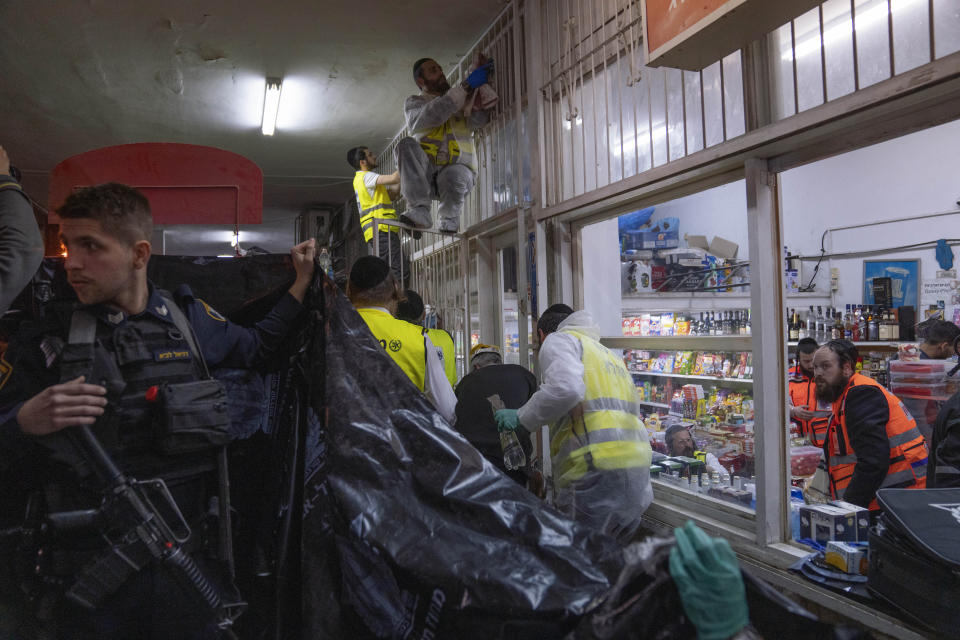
600 453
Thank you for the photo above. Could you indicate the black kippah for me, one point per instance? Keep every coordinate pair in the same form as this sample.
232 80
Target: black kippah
368 272
417 65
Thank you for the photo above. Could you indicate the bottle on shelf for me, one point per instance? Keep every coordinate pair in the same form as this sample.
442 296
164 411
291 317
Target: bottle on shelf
873 328
821 325
862 324
894 326
794 327
836 332
811 324
848 324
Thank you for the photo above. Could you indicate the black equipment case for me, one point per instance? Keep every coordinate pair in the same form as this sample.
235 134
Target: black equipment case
915 555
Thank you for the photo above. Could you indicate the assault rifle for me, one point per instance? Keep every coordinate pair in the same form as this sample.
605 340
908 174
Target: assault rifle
142 523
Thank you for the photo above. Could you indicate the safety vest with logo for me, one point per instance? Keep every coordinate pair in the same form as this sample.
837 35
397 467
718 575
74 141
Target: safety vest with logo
908 450
450 143
442 341
378 206
603 431
803 393
401 340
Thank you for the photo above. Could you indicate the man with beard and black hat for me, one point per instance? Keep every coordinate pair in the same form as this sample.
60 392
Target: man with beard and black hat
375 292
439 162
872 441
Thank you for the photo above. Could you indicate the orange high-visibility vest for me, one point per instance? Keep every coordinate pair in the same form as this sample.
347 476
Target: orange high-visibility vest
908 450
803 393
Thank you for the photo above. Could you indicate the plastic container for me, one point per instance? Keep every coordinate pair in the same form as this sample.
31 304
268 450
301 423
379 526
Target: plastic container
911 377
917 390
804 460
941 367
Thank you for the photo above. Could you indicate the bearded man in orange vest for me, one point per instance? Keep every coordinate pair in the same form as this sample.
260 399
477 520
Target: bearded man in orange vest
872 441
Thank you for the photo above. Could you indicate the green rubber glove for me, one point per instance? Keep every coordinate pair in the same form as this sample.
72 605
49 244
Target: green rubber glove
708 578
507 419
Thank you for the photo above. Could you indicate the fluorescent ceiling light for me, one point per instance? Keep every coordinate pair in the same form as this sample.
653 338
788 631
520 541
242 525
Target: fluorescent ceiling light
271 105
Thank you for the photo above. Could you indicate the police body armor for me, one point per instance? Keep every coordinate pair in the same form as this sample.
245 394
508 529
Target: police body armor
165 418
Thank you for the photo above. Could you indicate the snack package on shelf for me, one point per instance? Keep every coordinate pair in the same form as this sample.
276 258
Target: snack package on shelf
655 325
643 327
666 324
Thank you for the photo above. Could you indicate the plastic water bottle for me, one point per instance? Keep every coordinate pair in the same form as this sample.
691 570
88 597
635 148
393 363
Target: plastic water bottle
326 263
513 456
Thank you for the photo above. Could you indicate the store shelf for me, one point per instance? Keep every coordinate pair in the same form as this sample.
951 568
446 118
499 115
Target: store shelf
659 405
882 345
660 374
680 343
653 295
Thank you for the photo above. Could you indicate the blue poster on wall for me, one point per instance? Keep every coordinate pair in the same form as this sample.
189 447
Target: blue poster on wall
904 281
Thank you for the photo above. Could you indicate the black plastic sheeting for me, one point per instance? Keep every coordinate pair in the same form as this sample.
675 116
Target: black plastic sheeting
409 532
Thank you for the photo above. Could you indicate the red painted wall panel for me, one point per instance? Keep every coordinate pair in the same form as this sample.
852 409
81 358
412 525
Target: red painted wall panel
185 183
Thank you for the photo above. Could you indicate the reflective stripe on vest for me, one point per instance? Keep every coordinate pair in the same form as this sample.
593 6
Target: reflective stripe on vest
603 431
401 340
442 340
450 143
380 204
908 450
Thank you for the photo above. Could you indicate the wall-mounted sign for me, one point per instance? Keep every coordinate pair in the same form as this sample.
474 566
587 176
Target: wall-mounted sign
693 34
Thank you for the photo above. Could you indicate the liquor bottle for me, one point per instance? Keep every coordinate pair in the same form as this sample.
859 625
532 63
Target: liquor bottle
821 326
873 328
749 322
736 323
811 324
836 331
883 329
862 324
894 326
728 323
794 327
848 324
714 325
743 322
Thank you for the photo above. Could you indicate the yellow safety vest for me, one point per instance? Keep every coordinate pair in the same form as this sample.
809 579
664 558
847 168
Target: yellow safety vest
603 431
379 206
450 143
401 340
448 355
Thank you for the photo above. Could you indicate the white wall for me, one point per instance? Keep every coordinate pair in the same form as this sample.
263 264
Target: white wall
908 176
719 211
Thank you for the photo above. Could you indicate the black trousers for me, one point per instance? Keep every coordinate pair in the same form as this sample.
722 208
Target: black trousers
392 253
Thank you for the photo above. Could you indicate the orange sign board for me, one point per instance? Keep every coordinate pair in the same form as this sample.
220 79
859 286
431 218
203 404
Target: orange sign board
692 34
667 19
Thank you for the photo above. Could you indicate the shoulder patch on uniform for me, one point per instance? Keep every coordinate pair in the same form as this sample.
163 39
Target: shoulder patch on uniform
6 370
213 313
395 345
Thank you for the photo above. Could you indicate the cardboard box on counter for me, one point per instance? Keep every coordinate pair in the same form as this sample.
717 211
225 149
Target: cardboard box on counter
849 558
824 522
861 515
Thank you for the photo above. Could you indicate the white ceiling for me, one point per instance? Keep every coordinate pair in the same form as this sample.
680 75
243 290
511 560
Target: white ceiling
79 75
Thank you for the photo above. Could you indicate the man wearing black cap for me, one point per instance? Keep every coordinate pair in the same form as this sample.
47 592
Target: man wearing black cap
375 292
439 161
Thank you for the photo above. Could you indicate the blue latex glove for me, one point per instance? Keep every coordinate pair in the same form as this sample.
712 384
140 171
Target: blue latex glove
479 75
507 419
944 255
708 578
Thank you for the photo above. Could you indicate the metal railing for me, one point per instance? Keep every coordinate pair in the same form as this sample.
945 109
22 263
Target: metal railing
430 264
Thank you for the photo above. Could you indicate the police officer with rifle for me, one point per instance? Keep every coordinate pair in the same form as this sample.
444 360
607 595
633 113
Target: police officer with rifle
110 417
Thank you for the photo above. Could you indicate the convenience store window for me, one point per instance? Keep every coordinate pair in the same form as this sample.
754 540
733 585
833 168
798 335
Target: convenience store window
860 232
669 286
